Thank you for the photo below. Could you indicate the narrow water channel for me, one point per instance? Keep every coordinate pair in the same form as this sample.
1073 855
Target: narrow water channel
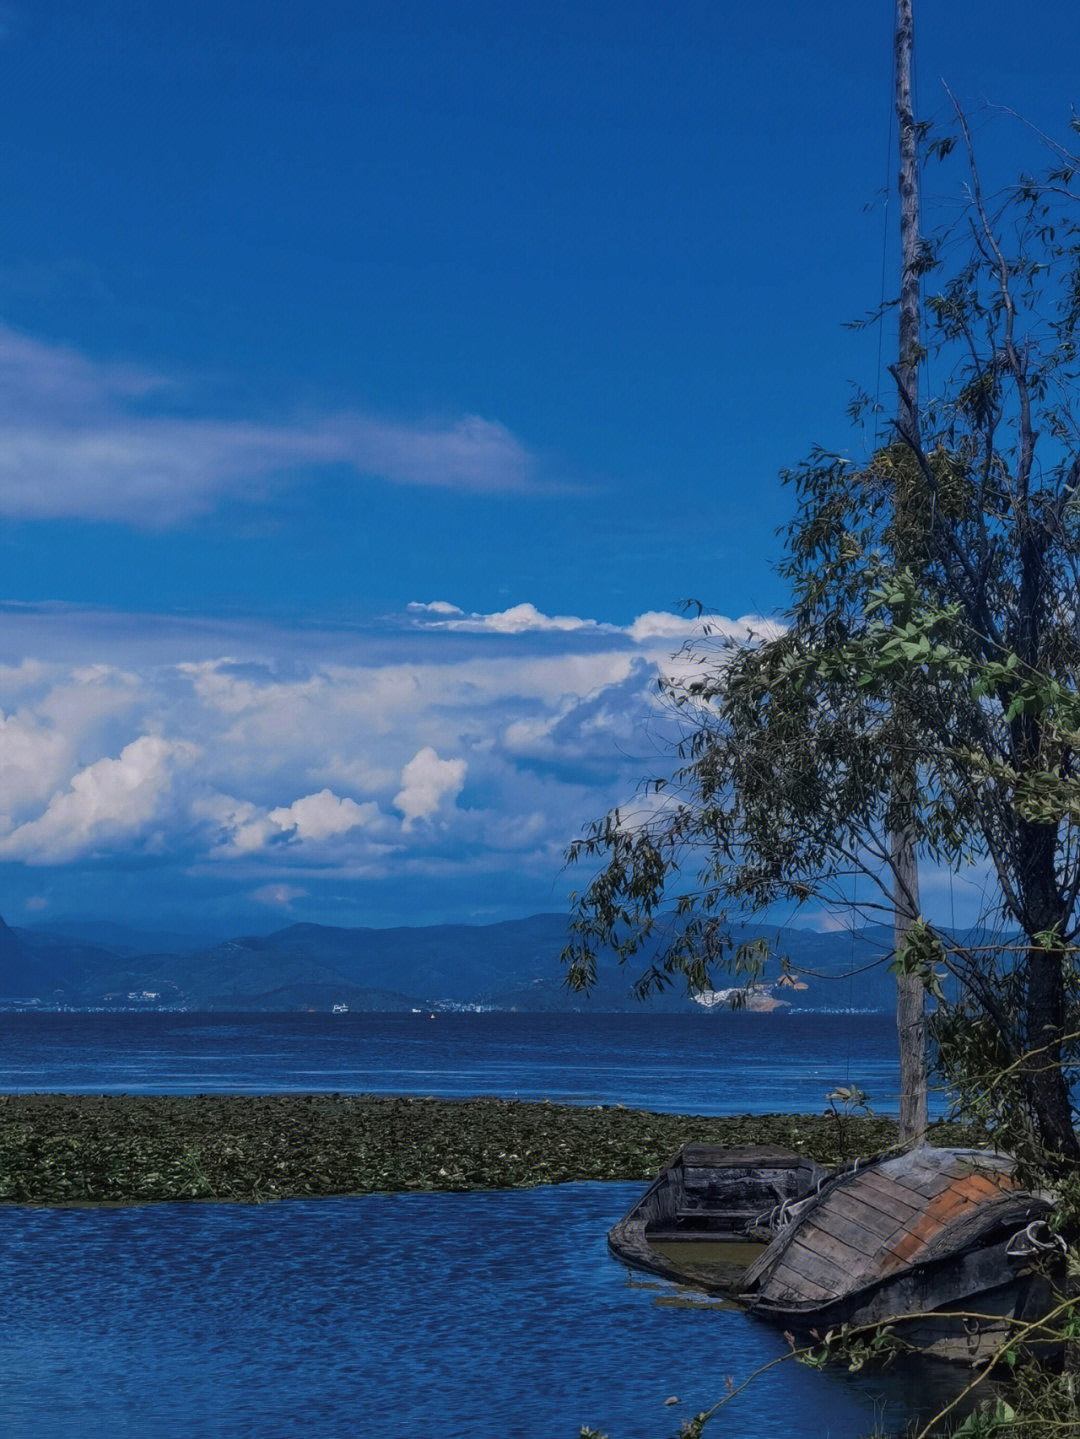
444 1316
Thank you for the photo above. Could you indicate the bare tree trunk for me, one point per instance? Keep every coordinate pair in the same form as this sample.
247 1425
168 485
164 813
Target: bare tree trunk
907 371
910 994
910 997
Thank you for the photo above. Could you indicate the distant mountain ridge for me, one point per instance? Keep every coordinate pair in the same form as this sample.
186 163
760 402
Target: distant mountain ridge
510 965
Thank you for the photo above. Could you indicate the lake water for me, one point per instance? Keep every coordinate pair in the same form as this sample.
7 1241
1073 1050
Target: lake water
438 1316
727 1063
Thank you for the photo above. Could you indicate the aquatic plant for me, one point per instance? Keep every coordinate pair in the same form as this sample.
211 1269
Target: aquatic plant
57 1148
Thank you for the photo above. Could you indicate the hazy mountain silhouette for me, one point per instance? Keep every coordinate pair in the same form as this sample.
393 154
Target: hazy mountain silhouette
511 965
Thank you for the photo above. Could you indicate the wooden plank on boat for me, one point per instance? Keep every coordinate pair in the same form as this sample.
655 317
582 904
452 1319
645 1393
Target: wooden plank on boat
857 1208
981 1186
706 1156
849 1265
808 1253
787 1283
917 1188
849 1230
940 1211
882 1193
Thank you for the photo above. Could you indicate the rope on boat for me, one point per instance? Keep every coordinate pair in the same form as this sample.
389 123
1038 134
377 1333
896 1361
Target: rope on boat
780 1215
1029 1241
787 1211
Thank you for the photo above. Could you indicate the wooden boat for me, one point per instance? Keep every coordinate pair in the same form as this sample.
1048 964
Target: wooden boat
696 1222
945 1233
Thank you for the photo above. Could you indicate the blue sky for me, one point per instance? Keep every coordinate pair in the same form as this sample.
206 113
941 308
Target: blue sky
375 381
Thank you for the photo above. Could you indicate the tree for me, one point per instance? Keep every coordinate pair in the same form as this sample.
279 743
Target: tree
934 621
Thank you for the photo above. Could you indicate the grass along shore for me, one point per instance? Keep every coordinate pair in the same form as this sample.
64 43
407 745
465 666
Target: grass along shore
75 1148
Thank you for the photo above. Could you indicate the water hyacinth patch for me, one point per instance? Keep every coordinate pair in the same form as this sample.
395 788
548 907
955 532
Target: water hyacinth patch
57 1148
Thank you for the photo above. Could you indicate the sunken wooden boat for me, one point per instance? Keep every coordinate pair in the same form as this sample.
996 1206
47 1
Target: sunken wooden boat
944 1236
696 1222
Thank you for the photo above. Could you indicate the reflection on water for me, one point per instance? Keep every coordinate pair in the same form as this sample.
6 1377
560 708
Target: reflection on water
441 1316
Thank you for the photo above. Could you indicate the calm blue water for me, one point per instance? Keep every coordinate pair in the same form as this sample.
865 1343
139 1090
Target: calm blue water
456 1316
709 1064
437 1316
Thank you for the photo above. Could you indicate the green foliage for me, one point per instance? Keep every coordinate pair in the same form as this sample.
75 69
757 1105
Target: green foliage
855 1346
134 1149
924 681
923 954
842 1102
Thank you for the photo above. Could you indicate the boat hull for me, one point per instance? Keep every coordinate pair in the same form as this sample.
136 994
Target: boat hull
714 1201
934 1243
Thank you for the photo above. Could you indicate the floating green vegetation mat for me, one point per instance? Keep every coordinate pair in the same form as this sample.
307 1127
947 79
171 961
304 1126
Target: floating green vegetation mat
70 1148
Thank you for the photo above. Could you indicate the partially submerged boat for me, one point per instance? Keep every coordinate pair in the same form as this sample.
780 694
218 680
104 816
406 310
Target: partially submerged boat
711 1211
945 1237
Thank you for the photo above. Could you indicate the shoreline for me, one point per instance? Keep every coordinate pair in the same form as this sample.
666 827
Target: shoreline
77 1149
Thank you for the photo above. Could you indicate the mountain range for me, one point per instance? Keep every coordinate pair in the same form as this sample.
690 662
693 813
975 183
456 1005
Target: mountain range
511 965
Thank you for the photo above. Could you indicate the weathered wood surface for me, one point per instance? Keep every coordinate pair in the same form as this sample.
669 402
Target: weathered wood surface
918 1234
926 1231
872 1223
710 1193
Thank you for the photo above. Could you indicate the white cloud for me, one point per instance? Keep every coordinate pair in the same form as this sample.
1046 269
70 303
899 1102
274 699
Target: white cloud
649 627
331 757
355 772
436 607
518 619
318 816
426 781
245 828
467 454
34 756
658 624
110 801
78 441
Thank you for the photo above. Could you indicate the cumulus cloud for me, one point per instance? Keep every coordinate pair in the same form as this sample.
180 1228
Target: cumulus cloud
110 801
518 619
658 624
245 828
318 816
87 440
33 758
649 627
436 607
426 781
331 758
